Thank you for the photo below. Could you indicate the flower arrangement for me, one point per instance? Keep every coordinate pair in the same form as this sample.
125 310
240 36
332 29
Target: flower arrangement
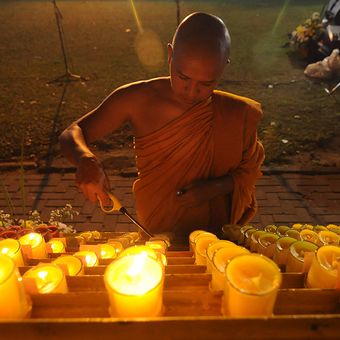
56 227
308 38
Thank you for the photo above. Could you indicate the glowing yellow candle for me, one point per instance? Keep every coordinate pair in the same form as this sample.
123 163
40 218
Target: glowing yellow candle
73 264
157 245
15 304
45 278
126 241
267 243
55 246
212 248
220 260
252 283
37 244
297 226
107 251
325 268
135 286
281 230
299 253
281 250
192 237
87 236
118 245
12 248
254 240
309 235
201 245
89 258
96 234
328 237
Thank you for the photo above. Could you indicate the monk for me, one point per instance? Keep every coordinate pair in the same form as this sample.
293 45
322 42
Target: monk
197 151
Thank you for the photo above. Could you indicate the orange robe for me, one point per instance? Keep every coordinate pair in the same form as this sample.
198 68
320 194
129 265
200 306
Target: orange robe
212 139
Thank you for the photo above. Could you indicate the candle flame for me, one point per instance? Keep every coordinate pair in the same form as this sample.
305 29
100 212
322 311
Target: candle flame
138 264
5 250
42 275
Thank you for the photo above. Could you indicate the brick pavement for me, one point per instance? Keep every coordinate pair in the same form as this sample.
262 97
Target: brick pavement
284 197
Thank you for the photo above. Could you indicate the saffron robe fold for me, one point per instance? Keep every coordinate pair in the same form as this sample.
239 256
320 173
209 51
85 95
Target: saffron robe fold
214 138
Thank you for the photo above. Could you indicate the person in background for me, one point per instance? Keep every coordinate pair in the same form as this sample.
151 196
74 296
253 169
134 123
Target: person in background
197 151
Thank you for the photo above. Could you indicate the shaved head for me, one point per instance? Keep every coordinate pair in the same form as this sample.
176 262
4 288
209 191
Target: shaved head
203 34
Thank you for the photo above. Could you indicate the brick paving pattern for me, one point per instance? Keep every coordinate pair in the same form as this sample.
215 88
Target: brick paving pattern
283 197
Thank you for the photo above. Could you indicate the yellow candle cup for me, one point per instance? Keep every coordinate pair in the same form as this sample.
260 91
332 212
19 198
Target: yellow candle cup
282 230
135 286
247 236
37 244
73 264
243 233
118 245
267 243
324 270
198 236
201 245
107 251
299 256
220 260
319 228
87 236
89 258
214 246
281 250
15 304
192 237
55 246
328 237
334 228
12 248
45 278
294 234
254 240
309 235
270 228
252 283
297 226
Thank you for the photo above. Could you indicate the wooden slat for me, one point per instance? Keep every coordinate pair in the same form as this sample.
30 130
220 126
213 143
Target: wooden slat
183 302
198 328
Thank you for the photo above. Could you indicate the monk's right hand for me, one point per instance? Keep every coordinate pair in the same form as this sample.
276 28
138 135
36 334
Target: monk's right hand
92 179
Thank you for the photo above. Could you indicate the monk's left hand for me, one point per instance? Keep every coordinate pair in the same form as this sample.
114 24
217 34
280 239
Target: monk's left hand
197 193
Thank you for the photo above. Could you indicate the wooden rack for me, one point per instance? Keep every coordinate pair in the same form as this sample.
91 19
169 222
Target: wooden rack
191 310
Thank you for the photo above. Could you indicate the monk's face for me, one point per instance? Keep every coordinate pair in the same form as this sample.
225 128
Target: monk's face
194 74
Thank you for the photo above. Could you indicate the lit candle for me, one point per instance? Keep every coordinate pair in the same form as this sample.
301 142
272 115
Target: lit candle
15 304
12 248
212 248
87 236
220 260
267 243
281 249
334 228
45 278
247 236
37 244
319 228
73 264
89 258
328 237
118 245
55 246
158 245
299 253
134 250
201 244
325 268
107 251
252 283
135 286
